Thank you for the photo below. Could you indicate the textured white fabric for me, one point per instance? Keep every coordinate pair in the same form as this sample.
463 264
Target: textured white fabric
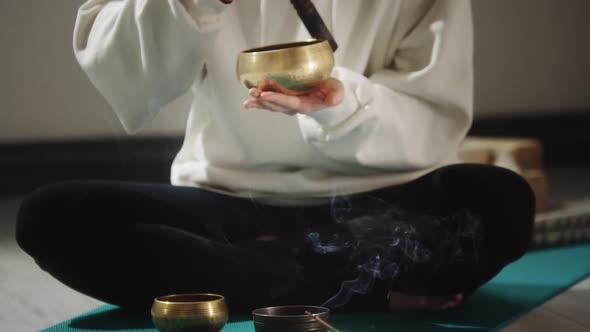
406 66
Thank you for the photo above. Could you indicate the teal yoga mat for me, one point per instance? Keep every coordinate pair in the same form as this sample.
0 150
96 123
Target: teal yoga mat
520 287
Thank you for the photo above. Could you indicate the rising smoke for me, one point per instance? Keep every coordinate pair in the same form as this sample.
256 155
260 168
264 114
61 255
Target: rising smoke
387 243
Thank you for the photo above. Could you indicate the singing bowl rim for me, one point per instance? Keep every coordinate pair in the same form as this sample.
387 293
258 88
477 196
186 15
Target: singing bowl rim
282 47
290 55
168 299
323 311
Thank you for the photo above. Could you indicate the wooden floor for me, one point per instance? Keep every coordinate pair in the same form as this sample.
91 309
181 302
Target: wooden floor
567 312
31 300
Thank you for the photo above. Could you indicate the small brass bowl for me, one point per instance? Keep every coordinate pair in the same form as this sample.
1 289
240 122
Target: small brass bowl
296 67
290 318
189 312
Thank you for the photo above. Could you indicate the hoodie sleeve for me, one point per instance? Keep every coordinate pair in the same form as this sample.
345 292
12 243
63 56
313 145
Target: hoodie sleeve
412 115
143 54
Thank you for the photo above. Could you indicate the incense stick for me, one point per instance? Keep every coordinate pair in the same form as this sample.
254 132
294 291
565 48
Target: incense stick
321 321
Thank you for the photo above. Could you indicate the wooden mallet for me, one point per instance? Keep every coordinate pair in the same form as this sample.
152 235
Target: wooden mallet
313 21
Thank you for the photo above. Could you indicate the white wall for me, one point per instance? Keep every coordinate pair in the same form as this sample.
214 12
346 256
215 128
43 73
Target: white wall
530 55
43 92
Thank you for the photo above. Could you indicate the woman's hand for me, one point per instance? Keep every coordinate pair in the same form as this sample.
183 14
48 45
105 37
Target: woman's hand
272 97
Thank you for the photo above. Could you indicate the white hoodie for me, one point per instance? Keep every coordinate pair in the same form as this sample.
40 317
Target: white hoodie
406 66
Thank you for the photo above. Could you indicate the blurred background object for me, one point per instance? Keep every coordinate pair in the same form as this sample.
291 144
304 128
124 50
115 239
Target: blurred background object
521 155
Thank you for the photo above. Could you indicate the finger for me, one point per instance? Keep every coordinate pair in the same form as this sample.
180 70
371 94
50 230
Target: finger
334 92
254 92
320 94
255 103
251 103
274 86
270 85
451 302
290 102
266 85
277 108
311 104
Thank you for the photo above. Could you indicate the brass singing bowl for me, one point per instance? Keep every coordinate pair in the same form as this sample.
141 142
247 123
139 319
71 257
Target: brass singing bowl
189 312
291 68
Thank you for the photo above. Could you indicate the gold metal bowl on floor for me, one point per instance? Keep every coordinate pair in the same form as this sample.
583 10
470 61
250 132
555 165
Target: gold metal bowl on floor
189 312
296 67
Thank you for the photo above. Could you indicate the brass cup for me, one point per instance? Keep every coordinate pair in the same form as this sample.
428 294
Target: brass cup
296 67
189 312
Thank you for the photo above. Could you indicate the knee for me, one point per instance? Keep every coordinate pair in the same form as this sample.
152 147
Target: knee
505 201
511 210
38 216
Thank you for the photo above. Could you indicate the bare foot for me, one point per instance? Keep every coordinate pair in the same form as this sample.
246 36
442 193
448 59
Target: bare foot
402 301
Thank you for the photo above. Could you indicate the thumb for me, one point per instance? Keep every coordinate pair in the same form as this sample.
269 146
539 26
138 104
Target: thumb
335 92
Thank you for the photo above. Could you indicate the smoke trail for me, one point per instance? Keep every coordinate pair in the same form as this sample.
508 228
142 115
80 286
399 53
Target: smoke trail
386 242
335 244
372 270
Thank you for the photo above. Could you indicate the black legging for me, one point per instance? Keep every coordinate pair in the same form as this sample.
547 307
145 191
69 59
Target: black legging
126 243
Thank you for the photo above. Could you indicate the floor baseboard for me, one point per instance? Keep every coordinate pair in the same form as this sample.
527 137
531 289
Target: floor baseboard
24 167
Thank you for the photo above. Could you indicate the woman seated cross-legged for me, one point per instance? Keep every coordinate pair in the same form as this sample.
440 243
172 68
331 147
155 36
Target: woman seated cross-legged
350 195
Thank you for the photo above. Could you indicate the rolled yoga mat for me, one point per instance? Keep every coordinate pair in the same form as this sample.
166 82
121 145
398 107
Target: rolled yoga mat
520 287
